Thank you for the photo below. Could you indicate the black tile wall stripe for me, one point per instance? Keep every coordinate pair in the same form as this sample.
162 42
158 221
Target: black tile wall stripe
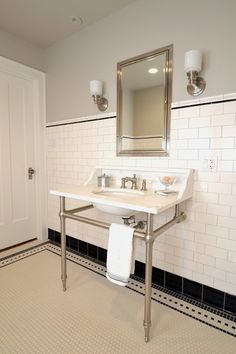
213 297
230 303
78 122
51 234
67 241
139 270
158 276
102 255
193 289
217 301
73 244
83 247
173 282
57 237
92 251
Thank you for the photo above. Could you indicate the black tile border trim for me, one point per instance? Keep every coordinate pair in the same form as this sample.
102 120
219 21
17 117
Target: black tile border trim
202 295
17 256
79 121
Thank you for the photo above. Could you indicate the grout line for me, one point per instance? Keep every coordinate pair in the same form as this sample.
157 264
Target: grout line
202 295
224 302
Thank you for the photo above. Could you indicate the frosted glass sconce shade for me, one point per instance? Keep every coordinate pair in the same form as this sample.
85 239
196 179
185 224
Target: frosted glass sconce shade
96 89
192 66
193 61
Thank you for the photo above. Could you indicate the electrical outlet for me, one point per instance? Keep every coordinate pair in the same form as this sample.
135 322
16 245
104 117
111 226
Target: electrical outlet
210 164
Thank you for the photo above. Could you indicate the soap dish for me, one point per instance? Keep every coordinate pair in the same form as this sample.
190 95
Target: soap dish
164 192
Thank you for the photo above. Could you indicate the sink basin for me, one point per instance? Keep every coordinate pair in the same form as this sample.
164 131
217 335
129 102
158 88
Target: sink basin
113 192
117 193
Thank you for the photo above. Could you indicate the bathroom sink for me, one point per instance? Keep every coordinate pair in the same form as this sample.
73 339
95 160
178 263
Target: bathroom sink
127 201
113 192
117 193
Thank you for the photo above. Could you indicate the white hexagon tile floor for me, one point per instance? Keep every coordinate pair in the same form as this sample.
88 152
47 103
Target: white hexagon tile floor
92 316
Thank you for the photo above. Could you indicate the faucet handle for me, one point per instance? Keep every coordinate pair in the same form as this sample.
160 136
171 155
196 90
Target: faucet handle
134 182
144 185
123 182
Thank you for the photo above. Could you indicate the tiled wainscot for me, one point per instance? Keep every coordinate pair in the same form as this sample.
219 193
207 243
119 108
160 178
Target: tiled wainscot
202 249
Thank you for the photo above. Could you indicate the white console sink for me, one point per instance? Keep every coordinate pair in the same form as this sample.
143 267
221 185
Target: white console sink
126 201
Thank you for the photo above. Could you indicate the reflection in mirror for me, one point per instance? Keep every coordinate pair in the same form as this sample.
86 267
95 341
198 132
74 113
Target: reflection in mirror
144 99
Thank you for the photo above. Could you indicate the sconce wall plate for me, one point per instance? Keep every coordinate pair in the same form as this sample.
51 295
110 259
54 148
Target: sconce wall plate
101 102
196 84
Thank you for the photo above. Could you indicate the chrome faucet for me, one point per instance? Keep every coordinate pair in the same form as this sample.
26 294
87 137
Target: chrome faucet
133 180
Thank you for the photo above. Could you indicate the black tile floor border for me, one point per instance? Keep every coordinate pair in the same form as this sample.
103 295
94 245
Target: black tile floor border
202 294
15 257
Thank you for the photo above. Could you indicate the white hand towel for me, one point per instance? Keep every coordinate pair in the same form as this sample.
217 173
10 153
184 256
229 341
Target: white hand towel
119 255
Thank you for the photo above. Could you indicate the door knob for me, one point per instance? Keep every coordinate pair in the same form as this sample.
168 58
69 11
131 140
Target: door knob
31 171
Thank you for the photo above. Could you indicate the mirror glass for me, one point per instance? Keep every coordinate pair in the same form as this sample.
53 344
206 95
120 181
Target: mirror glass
144 103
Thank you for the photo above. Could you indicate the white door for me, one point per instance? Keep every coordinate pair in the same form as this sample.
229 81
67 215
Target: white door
17 191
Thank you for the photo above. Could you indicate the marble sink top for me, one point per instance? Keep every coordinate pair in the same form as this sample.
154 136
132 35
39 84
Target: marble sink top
119 201
147 202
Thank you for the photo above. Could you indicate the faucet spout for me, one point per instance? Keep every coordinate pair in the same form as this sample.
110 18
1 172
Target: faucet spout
133 180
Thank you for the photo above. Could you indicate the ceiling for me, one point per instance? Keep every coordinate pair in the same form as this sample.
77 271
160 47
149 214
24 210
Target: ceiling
137 77
44 22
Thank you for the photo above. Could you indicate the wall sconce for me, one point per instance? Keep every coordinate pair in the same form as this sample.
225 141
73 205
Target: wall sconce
96 88
193 65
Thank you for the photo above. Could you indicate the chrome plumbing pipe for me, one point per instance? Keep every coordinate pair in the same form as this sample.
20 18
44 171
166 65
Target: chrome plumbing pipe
63 242
98 223
78 210
149 239
179 216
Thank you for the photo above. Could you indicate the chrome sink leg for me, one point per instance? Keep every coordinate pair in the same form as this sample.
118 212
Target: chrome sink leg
148 277
63 242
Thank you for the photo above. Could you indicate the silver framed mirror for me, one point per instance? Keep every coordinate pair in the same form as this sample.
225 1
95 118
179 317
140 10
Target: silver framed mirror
144 91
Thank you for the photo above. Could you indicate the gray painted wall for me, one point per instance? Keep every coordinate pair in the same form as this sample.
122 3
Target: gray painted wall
19 50
143 26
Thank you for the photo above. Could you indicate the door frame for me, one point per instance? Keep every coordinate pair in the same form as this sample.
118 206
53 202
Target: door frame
37 78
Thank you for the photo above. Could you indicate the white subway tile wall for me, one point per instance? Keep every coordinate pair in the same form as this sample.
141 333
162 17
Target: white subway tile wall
202 248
